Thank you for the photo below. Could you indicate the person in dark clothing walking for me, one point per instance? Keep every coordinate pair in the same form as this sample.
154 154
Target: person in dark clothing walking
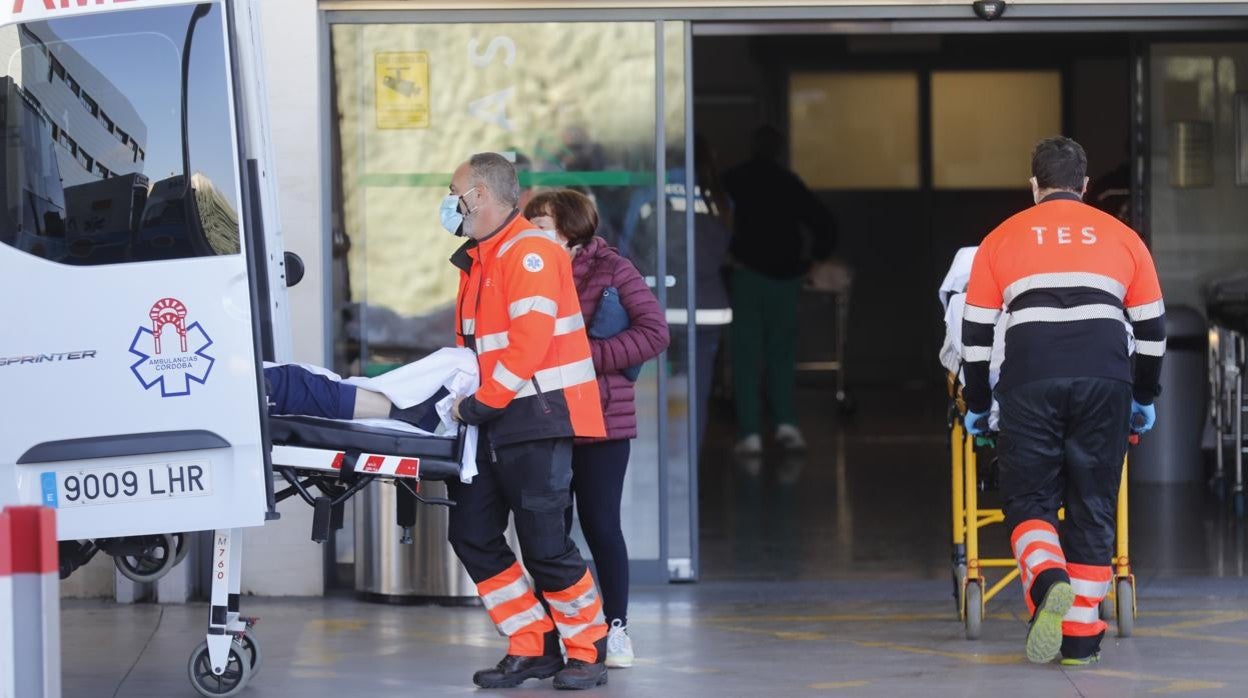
1068 278
774 212
608 285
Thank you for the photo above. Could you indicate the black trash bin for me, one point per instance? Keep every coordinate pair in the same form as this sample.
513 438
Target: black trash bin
1171 451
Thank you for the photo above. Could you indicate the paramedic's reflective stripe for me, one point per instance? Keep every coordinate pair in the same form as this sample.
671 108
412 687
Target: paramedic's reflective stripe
577 613
970 353
1079 614
1064 280
499 340
502 595
571 608
1150 348
507 379
1148 311
539 304
1090 584
984 316
1078 313
560 377
515 610
1037 548
514 624
1090 589
469 326
544 234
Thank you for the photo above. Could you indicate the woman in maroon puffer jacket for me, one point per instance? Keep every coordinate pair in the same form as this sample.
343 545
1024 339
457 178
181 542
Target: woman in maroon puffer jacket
598 465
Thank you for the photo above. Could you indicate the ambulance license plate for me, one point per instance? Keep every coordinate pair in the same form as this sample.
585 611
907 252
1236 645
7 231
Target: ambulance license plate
133 483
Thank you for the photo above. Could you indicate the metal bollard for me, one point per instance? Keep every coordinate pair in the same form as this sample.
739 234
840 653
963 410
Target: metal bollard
36 603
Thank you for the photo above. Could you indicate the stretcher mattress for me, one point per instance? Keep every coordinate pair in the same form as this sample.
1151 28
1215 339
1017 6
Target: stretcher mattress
439 455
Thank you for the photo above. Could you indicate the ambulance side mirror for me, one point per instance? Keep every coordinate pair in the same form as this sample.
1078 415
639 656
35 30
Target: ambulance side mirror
294 269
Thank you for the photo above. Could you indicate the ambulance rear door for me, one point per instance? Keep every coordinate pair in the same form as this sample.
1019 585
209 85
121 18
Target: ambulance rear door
130 390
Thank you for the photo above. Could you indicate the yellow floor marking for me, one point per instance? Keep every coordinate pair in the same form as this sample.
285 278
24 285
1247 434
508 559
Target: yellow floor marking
833 685
1175 635
1172 685
1213 618
969 657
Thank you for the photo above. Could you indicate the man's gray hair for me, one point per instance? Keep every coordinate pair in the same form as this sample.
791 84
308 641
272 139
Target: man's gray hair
498 175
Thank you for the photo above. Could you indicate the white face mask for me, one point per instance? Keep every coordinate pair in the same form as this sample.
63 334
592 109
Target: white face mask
452 219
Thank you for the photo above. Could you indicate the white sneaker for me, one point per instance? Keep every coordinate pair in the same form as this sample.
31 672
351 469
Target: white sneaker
619 646
750 445
790 437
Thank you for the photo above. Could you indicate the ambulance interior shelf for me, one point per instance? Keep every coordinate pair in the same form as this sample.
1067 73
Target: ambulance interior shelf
340 458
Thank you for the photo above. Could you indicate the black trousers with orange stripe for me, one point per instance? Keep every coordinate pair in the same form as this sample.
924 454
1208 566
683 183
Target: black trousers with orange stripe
1062 444
531 480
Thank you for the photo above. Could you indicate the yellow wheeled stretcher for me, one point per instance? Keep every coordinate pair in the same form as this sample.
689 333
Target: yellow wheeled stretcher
970 582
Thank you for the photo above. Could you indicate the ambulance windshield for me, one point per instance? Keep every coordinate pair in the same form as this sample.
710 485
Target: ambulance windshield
94 167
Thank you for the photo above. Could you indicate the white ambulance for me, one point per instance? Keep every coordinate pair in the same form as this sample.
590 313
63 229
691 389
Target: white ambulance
138 239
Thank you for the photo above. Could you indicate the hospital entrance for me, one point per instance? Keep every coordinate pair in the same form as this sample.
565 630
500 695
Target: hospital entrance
833 568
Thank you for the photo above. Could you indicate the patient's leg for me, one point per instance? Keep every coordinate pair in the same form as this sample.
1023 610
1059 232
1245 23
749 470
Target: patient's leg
296 390
370 405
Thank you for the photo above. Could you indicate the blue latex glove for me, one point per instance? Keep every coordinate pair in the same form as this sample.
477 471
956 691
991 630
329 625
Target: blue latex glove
1142 417
976 423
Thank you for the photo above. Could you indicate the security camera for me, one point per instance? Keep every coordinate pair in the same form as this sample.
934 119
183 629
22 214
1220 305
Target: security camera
989 10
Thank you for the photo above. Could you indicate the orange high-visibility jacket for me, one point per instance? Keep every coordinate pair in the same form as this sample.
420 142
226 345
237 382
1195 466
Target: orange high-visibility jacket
1069 278
518 309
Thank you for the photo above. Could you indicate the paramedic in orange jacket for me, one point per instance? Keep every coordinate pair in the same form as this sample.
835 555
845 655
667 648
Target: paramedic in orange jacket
518 309
1069 278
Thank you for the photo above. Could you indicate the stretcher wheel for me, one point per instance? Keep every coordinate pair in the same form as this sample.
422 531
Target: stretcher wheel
154 562
251 648
1239 505
1125 599
959 583
182 541
1107 608
231 681
974 610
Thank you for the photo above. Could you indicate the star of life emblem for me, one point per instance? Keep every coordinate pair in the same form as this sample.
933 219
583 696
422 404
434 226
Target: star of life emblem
178 355
533 262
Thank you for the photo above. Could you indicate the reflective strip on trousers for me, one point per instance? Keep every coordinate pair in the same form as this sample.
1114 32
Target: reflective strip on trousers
511 592
1082 614
1040 557
469 326
519 621
1087 589
1075 279
1037 536
573 607
566 631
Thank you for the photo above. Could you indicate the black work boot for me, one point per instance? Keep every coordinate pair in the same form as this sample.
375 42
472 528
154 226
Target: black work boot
513 671
580 676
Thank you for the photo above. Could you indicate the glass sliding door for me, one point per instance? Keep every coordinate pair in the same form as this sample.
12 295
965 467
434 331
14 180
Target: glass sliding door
576 105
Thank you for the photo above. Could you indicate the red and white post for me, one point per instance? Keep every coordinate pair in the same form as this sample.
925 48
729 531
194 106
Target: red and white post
8 689
35 602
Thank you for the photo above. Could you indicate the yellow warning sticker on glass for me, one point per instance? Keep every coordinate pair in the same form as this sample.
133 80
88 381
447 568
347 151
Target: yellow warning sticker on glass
402 89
